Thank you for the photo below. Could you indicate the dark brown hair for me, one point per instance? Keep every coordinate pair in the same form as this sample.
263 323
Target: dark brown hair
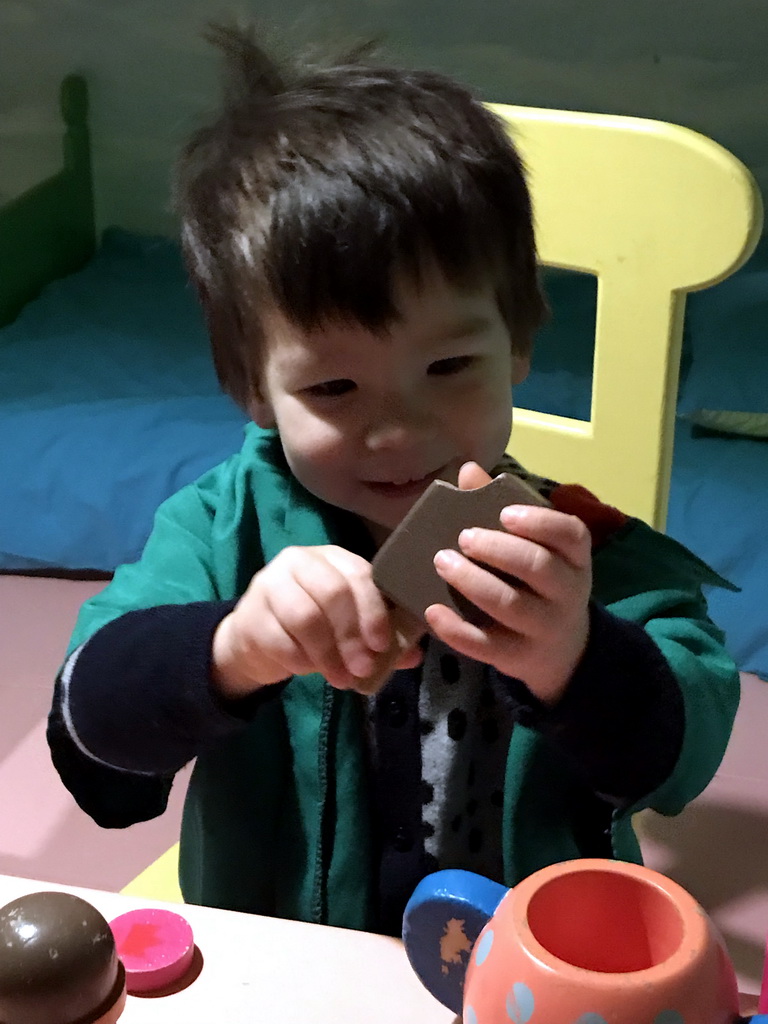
315 185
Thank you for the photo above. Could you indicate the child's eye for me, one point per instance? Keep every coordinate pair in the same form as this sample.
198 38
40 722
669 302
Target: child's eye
446 367
331 388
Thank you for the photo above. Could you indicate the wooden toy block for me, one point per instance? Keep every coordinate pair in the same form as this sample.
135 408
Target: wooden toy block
156 946
404 571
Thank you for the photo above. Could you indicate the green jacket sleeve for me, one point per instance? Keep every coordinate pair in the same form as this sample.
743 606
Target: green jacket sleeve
186 558
657 583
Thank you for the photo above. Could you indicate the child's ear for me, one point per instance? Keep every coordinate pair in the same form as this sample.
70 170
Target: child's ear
520 368
260 409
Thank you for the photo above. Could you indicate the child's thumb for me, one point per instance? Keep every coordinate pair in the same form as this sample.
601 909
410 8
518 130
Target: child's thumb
471 476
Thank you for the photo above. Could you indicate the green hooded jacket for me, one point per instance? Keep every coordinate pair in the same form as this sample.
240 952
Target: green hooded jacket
276 819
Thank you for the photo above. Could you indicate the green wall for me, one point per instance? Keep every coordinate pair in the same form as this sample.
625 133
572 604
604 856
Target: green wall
697 63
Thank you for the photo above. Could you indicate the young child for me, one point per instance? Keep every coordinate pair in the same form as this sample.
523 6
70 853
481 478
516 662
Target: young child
362 243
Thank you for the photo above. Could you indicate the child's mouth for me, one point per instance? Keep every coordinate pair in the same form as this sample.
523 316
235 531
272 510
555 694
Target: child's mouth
407 489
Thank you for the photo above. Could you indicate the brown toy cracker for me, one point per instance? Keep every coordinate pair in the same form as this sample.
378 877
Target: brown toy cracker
404 571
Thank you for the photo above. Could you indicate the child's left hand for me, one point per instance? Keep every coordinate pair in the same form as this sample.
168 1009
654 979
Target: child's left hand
539 629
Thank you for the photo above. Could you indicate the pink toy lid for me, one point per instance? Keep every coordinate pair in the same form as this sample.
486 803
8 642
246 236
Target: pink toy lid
156 947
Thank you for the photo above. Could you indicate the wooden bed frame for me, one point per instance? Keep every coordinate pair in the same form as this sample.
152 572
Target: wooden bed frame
49 231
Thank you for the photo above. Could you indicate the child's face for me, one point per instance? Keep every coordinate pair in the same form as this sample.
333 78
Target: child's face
368 420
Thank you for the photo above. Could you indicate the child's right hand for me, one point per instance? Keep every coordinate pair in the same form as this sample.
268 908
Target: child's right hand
311 609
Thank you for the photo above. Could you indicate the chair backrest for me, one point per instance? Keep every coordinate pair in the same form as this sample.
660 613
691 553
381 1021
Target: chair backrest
655 211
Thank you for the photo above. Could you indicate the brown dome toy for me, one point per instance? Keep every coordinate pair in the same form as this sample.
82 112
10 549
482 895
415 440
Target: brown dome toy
58 963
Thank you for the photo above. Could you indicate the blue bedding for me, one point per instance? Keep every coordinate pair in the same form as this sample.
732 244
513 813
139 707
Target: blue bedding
109 403
719 508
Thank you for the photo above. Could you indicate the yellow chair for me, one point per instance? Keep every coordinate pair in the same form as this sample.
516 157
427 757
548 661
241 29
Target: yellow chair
160 881
655 211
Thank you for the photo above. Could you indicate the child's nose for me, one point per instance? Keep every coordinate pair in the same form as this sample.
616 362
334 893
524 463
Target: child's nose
398 422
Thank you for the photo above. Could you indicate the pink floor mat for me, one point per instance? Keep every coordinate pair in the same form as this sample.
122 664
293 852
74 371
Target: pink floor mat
43 834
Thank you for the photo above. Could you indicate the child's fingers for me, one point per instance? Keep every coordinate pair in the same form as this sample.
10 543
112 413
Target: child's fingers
317 606
311 644
475 642
372 612
356 617
406 631
283 649
523 563
558 532
514 607
333 618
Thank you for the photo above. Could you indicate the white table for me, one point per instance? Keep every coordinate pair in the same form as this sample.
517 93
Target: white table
259 970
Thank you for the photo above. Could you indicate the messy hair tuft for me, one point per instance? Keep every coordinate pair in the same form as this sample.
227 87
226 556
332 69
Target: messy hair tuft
316 184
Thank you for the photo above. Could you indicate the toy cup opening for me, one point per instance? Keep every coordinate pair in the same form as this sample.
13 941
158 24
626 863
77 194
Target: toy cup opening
605 921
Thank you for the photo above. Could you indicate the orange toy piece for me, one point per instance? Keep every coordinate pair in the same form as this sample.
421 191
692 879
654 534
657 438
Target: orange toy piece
581 942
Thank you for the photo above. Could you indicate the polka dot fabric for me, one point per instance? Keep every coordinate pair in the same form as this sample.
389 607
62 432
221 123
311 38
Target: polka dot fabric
465 734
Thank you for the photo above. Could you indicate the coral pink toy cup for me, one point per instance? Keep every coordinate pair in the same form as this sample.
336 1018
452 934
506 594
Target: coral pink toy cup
582 942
